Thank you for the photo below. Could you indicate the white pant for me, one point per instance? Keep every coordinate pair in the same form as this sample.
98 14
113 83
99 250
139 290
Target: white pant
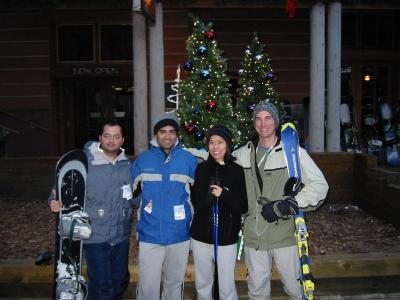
259 266
155 259
203 255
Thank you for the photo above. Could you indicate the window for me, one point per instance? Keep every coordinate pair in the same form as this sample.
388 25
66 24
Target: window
116 42
75 43
377 30
349 30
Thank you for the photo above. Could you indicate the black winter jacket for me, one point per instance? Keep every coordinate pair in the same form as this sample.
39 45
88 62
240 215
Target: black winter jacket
232 202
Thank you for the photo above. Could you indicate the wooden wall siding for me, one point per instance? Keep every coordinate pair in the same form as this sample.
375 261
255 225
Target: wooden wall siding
24 62
286 40
338 169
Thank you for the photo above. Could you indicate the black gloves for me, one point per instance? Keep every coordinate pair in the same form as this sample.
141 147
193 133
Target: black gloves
292 186
275 210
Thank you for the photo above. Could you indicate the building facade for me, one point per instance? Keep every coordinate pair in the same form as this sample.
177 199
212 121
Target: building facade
63 69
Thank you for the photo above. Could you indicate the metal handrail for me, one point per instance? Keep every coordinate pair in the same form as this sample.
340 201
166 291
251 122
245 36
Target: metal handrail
9 129
33 125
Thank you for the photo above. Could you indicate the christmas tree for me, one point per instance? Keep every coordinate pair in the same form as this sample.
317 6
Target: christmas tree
205 100
255 85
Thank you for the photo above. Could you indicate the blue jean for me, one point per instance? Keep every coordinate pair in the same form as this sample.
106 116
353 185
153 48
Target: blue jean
107 268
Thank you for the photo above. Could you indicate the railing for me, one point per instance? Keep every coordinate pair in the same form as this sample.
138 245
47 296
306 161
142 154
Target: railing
5 131
31 124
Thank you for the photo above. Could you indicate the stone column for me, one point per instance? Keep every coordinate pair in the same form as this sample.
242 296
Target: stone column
317 78
140 111
334 76
156 48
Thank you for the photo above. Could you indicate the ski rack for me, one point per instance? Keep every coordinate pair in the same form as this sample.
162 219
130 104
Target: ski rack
306 277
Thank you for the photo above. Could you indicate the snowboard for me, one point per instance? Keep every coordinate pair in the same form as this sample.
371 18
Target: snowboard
290 141
73 225
349 131
389 135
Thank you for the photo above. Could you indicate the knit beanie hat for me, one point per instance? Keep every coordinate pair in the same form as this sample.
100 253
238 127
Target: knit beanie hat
268 106
222 131
165 119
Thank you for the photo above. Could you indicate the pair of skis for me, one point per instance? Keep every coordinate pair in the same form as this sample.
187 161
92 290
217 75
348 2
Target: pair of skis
290 140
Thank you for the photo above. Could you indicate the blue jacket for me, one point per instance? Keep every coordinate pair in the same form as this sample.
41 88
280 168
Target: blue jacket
109 199
165 213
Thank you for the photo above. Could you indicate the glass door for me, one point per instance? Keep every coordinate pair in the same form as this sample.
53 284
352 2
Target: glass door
87 103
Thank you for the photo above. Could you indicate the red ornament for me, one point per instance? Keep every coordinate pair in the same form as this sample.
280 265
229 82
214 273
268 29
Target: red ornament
290 8
211 105
210 35
190 128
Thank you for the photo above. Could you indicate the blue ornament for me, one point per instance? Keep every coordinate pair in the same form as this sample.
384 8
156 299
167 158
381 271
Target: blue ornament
250 107
197 111
188 65
202 50
270 76
204 74
199 135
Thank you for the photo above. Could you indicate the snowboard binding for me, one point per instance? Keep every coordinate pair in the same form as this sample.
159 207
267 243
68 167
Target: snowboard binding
75 226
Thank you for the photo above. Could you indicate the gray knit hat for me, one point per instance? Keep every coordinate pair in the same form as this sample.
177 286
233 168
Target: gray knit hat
165 119
268 106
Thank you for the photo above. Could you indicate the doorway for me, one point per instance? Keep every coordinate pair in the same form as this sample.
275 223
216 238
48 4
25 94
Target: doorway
84 104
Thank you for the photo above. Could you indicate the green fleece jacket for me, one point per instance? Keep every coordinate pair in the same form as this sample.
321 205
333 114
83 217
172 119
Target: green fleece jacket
258 233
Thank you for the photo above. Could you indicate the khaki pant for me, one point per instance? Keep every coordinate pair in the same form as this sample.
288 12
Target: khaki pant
203 255
259 265
155 259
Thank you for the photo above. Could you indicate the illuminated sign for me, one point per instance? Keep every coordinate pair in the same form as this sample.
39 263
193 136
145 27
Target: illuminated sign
94 71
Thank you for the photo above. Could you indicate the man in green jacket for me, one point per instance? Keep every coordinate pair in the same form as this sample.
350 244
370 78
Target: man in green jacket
269 224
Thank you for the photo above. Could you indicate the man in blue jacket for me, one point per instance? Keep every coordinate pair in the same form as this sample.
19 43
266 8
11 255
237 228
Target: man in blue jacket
164 174
109 203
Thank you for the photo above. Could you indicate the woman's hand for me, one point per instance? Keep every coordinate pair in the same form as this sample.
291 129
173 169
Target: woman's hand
216 190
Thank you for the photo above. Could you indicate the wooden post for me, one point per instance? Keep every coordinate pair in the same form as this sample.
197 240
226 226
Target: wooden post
317 78
140 111
156 48
334 76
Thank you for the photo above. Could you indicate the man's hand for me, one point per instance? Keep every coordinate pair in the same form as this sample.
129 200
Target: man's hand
55 205
275 210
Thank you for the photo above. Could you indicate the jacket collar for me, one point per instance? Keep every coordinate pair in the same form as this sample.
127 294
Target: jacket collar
97 156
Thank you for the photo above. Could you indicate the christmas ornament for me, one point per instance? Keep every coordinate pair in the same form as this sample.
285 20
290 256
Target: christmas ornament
250 107
247 51
197 111
202 50
209 35
290 8
270 76
199 135
188 66
204 74
250 89
258 57
240 71
211 105
191 128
